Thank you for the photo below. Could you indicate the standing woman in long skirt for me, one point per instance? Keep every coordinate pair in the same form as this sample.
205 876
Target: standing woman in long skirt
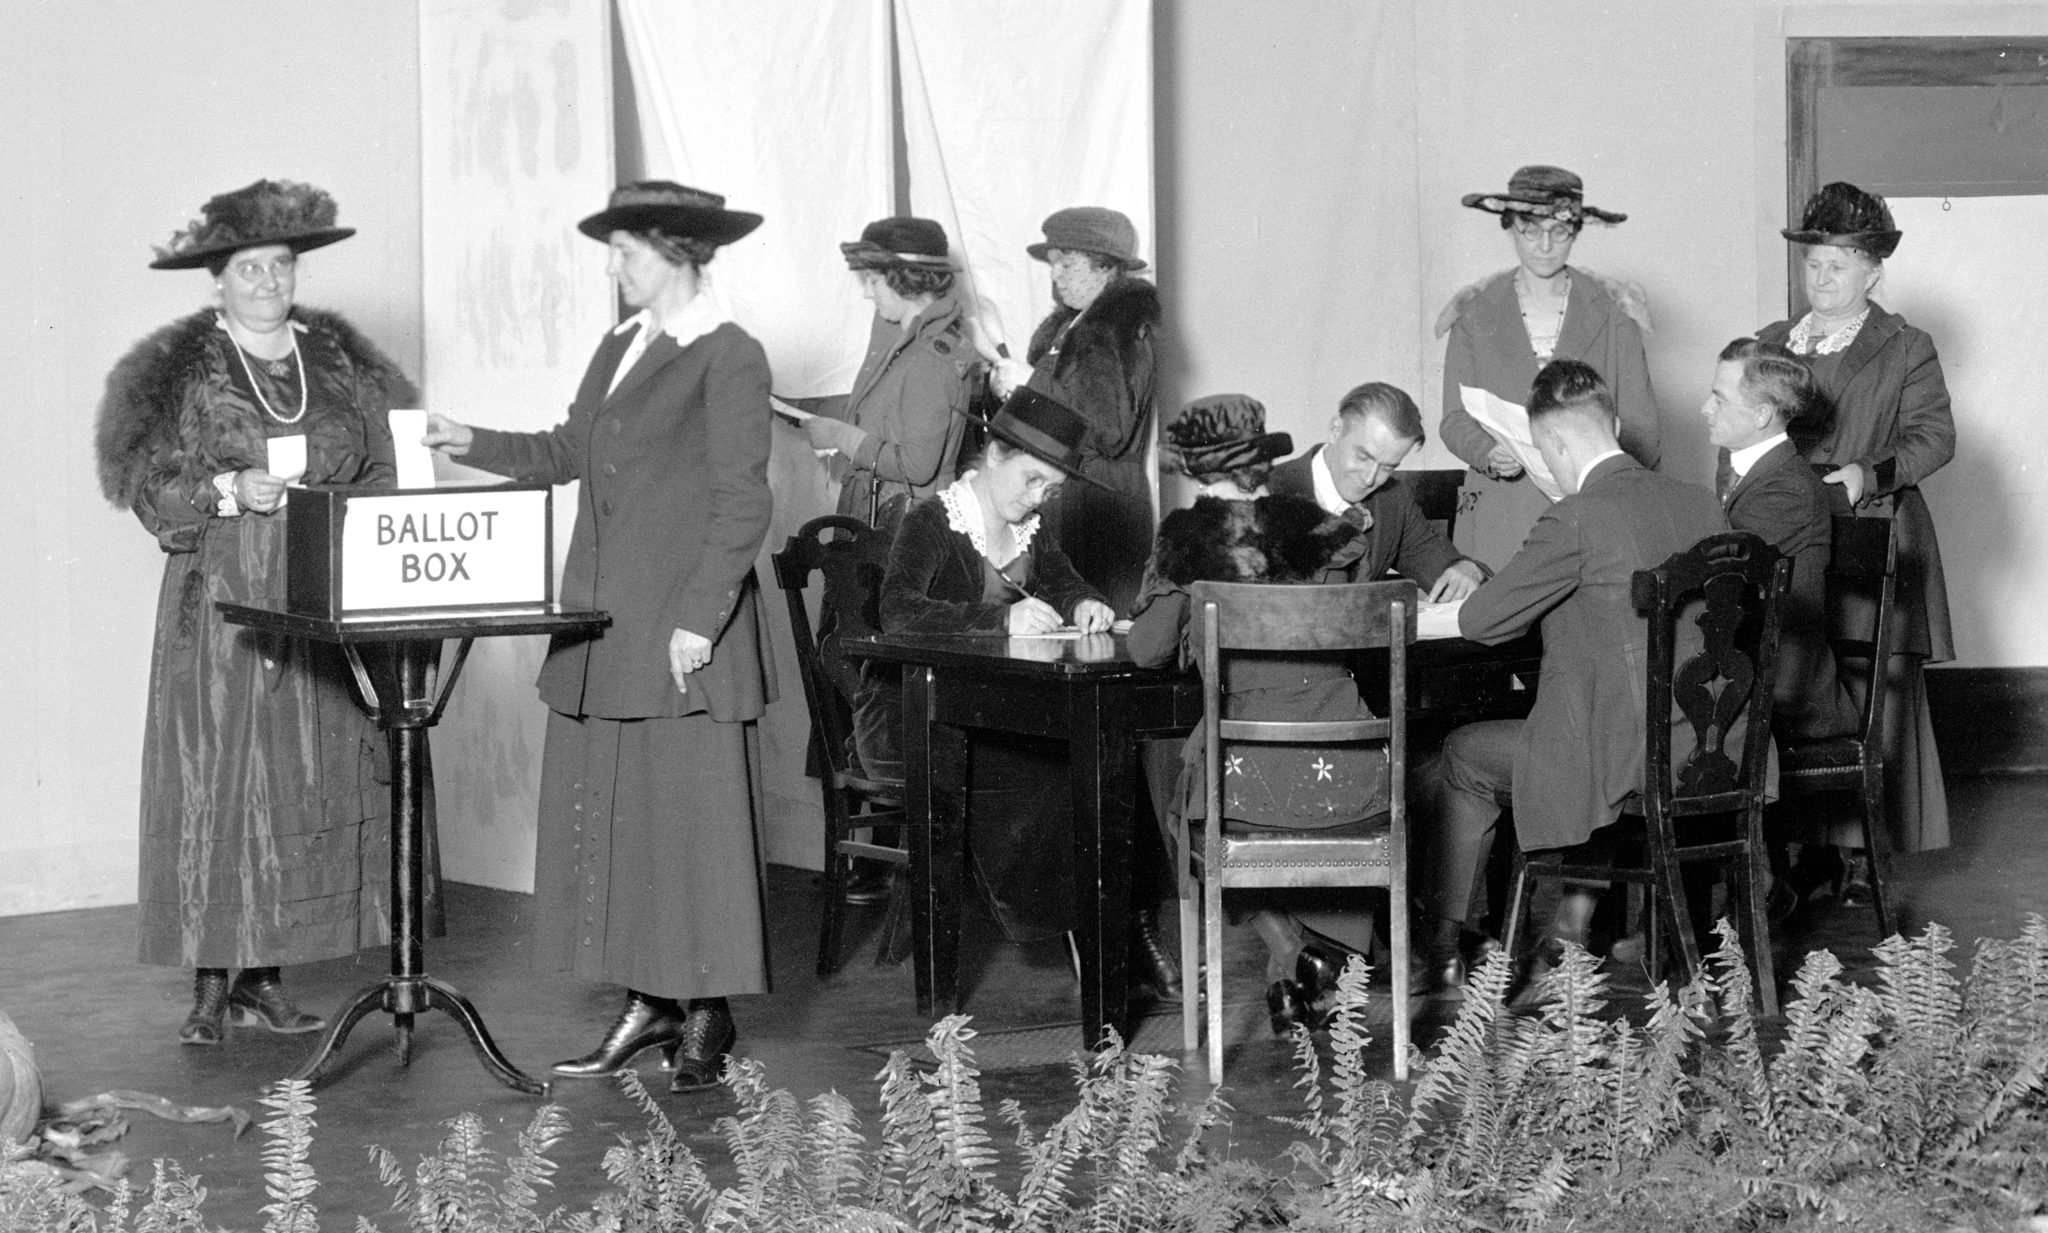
648 871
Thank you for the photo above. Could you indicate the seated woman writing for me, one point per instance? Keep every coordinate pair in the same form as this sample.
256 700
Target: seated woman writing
968 559
1235 532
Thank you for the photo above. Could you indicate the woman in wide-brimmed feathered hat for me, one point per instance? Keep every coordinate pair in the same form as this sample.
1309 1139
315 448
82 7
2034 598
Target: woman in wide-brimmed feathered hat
1883 426
646 872
264 831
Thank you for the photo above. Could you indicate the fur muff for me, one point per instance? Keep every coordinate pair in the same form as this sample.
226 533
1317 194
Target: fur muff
1270 539
1106 357
138 431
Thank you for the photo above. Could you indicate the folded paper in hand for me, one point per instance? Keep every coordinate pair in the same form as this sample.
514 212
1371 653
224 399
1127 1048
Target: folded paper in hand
1509 424
285 457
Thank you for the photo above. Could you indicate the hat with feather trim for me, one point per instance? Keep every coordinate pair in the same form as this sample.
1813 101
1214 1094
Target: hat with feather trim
1218 434
1847 217
670 208
298 216
918 243
1540 191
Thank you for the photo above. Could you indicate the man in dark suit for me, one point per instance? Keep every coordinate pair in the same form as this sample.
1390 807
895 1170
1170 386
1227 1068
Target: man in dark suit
1352 476
1576 758
1769 489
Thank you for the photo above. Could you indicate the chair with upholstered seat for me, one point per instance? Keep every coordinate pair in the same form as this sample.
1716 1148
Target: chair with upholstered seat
1860 581
1730 586
1235 619
850 556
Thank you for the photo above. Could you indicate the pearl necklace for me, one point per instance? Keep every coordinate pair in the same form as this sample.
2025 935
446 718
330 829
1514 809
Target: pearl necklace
250 373
1528 327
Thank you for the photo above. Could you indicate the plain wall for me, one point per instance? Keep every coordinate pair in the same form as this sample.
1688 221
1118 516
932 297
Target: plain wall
117 120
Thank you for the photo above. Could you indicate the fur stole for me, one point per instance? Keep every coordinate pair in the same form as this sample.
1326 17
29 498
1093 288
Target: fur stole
1627 296
1125 313
139 431
1270 539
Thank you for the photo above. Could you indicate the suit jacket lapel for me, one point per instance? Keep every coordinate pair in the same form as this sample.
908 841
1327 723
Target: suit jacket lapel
1773 458
1583 322
1870 340
660 351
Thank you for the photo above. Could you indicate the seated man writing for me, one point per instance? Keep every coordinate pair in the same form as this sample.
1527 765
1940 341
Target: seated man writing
1770 491
1352 476
1573 762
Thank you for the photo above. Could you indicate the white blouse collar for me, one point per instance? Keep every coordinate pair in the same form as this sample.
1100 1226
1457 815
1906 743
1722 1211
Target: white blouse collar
964 514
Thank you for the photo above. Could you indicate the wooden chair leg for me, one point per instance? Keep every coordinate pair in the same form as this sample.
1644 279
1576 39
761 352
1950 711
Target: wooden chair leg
1653 926
1750 876
1518 898
1877 844
1190 967
835 904
1677 909
1212 945
1397 930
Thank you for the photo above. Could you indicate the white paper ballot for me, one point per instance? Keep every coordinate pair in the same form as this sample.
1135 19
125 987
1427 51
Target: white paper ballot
795 415
287 457
1437 620
415 461
1509 424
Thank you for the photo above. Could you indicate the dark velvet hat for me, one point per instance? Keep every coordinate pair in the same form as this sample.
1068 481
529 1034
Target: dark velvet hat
1045 428
1540 191
1219 434
918 243
671 208
298 216
1845 216
1091 229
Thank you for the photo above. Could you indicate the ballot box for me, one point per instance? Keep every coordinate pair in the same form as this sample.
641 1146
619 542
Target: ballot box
354 551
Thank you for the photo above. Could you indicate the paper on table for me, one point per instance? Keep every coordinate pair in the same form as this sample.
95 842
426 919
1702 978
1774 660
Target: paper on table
285 457
415 461
1068 631
1437 620
1509 424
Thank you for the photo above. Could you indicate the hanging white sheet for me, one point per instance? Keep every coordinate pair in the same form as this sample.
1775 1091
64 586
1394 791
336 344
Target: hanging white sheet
783 107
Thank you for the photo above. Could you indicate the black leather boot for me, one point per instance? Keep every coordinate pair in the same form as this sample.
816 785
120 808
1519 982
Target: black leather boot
205 1026
1153 968
708 1035
645 1023
258 999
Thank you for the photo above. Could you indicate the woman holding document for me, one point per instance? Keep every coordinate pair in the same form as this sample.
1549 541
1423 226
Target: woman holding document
264 823
1505 327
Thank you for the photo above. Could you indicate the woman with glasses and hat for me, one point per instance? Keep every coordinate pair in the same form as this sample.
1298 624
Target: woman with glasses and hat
1094 353
1883 426
1505 327
647 872
265 836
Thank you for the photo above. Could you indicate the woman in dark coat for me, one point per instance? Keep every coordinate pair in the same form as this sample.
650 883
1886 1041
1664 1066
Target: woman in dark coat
1885 427
1505 327
1094 353
1236 532
265 834
648 870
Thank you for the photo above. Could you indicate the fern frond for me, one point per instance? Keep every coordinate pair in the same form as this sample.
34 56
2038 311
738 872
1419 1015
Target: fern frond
287 1176
1732 982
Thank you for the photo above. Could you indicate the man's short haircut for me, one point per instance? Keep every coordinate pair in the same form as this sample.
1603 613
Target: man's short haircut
1570 385
1775 378
1391 403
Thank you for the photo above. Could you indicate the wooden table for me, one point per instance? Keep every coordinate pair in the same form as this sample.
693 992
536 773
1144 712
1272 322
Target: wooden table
1083 691
416 643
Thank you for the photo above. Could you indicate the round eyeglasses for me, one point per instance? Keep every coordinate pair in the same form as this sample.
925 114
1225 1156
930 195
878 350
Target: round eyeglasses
1559 234
277 268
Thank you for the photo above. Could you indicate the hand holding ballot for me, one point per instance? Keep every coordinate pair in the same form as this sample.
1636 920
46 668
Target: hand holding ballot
1509 425
451 439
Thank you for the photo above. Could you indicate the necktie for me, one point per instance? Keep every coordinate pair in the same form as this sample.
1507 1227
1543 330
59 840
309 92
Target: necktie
1358 516
1725 479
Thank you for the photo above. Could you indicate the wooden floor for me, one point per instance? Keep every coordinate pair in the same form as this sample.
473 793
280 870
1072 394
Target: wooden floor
101 1022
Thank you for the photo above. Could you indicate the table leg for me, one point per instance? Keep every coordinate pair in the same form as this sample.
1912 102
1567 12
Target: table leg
1101 759
917 812
948 871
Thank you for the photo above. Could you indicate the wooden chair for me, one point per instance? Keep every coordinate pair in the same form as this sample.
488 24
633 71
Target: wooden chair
1860 581
1437 494
1312 621
851 563
1730 585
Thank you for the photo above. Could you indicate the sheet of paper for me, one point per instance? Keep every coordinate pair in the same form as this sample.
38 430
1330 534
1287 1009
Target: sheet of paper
1437 620
795 415
415 461
1509 424
286 457
1068 631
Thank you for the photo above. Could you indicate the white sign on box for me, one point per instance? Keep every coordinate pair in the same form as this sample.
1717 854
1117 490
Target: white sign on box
448 548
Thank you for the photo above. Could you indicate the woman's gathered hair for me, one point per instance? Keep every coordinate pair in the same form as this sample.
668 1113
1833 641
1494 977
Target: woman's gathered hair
1248 479
679 249
910 281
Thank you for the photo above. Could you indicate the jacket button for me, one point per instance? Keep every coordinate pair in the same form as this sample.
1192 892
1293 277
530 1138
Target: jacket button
610 469
615 426
605 507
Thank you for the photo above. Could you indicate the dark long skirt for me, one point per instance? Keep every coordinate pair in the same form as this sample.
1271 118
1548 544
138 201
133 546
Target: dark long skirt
648 871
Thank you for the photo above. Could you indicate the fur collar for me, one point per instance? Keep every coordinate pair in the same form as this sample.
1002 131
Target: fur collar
1271 539
1125 312
139 430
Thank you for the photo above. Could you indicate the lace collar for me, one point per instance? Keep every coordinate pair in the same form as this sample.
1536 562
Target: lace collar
1803 339
963 514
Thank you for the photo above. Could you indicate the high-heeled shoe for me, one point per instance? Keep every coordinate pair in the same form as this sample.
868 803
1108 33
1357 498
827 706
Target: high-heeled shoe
1154 970
205 1026
258 999
645 1023
1316 971
1288 1006
708 1035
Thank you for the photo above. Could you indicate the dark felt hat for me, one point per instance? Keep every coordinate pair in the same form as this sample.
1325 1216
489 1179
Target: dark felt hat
1540 191
1091 229
1045 428
670 208
298 216
918 243
1847 217
1220 433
